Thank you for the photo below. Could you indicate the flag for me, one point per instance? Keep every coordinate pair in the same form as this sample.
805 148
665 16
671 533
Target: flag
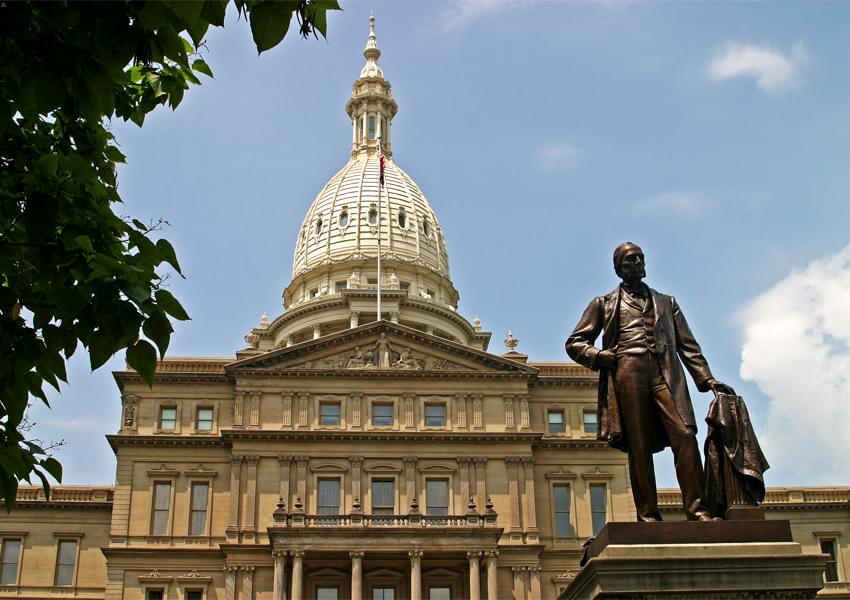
381 161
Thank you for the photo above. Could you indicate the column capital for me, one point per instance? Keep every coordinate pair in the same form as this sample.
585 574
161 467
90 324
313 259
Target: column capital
513 460
236 459
285 458
464 460
492 554
355 554
252 459
527 460
302 460
415 554
473 554
297 553
410 460
246 567
355 461
280 553
479 460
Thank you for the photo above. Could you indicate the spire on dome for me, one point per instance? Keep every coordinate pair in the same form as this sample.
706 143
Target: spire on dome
371 106
372 53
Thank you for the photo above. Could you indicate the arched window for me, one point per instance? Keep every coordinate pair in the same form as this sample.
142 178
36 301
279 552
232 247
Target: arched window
373 216
426 227
318 225
372 125
343 218
402 219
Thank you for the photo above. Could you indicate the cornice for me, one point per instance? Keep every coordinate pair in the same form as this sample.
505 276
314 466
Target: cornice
381 374
122 377
116 440
551 443
230 435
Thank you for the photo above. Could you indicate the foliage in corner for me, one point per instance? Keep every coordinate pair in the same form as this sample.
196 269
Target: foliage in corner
72 271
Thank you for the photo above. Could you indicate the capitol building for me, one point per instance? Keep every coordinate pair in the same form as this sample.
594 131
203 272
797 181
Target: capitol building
352 451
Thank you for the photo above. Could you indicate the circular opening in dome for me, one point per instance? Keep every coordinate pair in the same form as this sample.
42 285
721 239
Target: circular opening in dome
318 225
343 218
402 219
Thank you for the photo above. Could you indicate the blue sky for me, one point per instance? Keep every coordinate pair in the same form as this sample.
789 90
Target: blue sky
716 135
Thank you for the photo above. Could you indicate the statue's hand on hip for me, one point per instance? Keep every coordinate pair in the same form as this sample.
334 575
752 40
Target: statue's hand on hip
607 359
718 387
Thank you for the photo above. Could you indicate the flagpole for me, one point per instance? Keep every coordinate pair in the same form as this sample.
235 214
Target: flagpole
380 188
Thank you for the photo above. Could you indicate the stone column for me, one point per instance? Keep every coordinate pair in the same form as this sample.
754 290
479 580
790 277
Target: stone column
303 401
279 590
285 478
286 412
477 417
238 405
409 480
356 462
493 575
255 408
534 575
251 493
474 576
509 411
463 466
356 575
235 477
356 410
247 583
230 582
519 583
460 404
512 463
301 477
297 566
524 418
530 505
355 318
415 574
481 481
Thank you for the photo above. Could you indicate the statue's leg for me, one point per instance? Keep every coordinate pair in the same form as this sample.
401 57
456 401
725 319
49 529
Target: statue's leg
683 443
634 396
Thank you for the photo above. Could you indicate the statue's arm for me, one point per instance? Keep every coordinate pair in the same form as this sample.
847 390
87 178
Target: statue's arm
689 351
580 345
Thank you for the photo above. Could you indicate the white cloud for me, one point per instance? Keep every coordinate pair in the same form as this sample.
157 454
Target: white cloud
461 13
557 156
772 70
677 203
797 350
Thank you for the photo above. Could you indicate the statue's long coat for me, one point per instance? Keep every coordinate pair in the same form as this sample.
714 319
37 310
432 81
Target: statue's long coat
674 341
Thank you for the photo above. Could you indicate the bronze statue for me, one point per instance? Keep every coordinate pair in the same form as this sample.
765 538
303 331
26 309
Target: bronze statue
644 405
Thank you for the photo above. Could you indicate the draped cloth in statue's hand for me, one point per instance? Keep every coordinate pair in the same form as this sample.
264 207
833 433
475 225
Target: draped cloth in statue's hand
734 462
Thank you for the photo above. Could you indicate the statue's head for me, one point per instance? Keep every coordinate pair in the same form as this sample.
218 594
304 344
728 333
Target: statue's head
629 262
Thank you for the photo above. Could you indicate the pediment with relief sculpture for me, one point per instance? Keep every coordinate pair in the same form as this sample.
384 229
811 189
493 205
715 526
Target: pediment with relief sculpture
379 347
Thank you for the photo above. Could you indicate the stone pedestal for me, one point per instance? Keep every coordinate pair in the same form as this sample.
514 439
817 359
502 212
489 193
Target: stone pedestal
692 560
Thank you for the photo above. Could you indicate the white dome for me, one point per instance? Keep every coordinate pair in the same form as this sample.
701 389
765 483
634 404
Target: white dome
342 223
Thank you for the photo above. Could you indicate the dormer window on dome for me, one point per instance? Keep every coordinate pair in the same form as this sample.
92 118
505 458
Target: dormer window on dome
426 227
318 225
402 219
373 216
343 218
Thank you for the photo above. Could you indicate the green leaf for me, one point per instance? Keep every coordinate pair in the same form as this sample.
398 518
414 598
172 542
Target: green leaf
166 251
170 305
48 164
141 356
84 242
202 67
270 22
115 155
158 329
188 10
53 468
213 11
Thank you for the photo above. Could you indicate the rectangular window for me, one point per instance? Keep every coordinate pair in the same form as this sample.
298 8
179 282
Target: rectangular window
204 421
404 285
329 413
161 505
598 511
66 561
327 593
383 496
439 593
561 496
383 593
10 554
168 417
590 423
382 414
155 595
194 595
328 497
556 421
314 293
371 281
339 286
372 125
435 415
437 495
198 513
828 547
